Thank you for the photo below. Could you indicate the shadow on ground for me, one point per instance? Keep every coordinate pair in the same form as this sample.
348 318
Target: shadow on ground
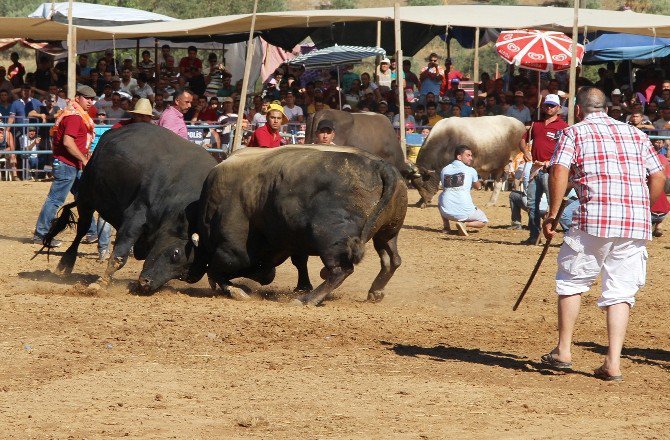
648 356
443 353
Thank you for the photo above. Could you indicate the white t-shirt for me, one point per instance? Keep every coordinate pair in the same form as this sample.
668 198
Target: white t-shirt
144 92
259 120
130 87
457 179
293 113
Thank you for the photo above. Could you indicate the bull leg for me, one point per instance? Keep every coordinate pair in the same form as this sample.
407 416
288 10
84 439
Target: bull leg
227 287
390 261
304 284
130 231
70 256
334 278
497 187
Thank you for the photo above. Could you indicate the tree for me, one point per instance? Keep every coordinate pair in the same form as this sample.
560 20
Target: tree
424 2
504 2
343 4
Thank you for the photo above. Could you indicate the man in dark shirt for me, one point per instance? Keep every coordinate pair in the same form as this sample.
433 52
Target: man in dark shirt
543 136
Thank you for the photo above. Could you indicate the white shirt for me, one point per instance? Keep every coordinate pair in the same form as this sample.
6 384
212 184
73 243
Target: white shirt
130 87
144 92
293 113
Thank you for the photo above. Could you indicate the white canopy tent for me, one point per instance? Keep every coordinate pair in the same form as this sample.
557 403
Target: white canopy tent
90 14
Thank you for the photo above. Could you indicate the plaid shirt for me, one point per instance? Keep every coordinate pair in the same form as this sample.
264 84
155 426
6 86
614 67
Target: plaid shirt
609 162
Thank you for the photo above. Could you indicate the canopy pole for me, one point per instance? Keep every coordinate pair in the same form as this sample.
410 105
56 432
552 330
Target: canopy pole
237 141
339 86
137 53
156 64
400 80
573 66
71 55
447 40
475 76
378 58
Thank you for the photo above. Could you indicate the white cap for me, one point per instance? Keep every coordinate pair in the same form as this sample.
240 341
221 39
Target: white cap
385 60
616 92
552 99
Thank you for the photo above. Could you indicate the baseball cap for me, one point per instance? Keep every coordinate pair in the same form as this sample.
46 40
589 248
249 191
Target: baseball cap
409 124
86 92
279 108
552 99
455 81
346 107
383 102
227 99
615 107
31 128
518 93
325 123
616 92
385 60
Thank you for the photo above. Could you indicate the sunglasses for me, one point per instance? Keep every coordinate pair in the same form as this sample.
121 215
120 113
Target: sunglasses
550 105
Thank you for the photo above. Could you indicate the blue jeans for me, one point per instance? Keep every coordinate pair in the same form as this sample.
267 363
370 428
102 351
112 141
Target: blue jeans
566 217
104 230
536 187
66 180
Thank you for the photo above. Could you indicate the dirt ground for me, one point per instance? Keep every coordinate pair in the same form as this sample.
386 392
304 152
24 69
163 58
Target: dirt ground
443 356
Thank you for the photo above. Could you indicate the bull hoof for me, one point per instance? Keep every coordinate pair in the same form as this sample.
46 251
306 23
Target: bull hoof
238 294
421 204
324 273
303 289
63 270
104 281
375 297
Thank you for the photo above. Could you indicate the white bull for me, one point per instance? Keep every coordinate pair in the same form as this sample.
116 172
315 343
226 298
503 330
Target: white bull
492 139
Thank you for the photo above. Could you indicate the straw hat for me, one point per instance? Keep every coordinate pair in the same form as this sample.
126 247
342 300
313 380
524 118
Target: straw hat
142 107
279 108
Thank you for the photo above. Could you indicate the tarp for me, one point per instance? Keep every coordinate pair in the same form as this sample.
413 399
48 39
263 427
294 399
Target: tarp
617 47
482 16
89 14
336 55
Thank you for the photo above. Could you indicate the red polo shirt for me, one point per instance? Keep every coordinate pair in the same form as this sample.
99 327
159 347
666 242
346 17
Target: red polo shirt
73 126
544 138
262 137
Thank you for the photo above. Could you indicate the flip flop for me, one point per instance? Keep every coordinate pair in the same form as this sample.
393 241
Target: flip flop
601 374
550 360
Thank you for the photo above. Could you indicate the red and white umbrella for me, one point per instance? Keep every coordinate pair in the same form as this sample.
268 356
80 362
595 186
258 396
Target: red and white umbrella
544 51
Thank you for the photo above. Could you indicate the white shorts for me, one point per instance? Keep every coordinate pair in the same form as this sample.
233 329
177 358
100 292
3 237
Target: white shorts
474 216
622 262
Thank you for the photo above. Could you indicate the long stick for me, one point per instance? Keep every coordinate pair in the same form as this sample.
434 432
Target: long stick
237 140
71 55
542 255
572 88
400 79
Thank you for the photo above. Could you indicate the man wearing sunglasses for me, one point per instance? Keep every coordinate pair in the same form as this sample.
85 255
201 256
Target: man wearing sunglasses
542 137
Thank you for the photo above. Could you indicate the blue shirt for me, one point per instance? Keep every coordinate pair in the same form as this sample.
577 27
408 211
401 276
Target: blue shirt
457 179
21 109
522 115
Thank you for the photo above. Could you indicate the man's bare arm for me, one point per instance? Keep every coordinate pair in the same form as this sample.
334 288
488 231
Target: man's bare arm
656 184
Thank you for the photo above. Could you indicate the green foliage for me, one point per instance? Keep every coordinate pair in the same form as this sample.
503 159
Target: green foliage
424 2
504 2
343 4
592 4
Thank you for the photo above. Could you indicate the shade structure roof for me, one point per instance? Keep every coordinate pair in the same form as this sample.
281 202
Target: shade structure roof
482 16
616 47
91 14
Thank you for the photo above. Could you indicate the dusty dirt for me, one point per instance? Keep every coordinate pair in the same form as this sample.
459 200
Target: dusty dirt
443 356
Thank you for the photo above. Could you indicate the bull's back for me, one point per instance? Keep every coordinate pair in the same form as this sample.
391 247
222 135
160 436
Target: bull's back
143 161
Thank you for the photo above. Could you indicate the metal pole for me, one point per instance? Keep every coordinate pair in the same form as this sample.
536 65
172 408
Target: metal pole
400 79
475 76
71 55
237 141
137 53
572 90
156 63
378 58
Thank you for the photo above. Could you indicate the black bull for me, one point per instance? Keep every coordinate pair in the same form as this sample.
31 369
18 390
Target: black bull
146 182
371 132
262 206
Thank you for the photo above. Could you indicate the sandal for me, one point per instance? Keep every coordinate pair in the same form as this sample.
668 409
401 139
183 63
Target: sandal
550 360
600 373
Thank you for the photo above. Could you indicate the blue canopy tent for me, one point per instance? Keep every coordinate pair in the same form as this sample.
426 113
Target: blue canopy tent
618 47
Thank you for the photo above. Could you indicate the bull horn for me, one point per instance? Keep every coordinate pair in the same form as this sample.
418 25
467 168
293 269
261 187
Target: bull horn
195 238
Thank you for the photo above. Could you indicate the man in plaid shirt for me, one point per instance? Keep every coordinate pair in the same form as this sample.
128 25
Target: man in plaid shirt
617 177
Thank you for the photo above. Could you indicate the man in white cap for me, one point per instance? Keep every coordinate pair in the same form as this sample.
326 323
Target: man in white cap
384 75
543 136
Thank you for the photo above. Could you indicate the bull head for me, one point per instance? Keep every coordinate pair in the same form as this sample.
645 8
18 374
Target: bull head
426 182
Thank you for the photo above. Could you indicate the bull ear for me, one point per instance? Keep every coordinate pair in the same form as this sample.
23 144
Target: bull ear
195 238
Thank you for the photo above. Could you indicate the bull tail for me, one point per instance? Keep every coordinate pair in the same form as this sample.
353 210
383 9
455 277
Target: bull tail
64 220
389 180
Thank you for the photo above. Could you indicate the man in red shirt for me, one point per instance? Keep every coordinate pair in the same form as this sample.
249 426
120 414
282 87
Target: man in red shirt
542 136
190 65
72 136
268 136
